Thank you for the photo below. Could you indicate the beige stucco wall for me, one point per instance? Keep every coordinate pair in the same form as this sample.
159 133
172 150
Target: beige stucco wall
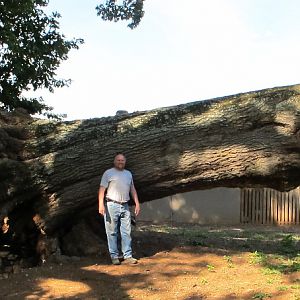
215 206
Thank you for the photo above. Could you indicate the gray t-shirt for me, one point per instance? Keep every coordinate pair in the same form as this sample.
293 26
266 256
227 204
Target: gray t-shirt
118 184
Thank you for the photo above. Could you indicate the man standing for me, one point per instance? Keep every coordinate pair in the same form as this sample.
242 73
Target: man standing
118 184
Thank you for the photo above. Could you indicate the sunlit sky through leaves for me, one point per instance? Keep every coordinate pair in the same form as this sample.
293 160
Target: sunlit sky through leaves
182 51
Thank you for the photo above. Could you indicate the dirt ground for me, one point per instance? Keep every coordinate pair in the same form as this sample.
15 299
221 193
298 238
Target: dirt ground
173 264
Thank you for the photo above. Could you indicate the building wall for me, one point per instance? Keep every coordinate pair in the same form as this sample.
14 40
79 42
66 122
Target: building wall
214 206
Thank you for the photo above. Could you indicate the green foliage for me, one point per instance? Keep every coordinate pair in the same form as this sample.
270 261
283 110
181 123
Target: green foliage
288 245
129 10
228 258
261 296
271 270
257 258
283 288
31 50
274 265
210 268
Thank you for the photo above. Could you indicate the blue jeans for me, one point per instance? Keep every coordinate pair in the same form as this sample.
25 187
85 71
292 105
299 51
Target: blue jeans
118 216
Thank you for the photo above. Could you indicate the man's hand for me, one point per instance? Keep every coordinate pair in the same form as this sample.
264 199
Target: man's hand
102 210
135 199
137 209
101 200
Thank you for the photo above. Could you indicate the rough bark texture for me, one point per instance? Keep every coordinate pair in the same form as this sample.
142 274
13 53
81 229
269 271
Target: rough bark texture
53 169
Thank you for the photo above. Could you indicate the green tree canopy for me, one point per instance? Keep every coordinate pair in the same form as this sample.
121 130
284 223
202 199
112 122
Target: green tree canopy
129 10
31 50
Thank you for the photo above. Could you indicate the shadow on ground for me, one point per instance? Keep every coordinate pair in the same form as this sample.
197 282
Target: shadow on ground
168 269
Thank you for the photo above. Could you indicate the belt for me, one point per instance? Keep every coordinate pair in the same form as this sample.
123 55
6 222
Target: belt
118 202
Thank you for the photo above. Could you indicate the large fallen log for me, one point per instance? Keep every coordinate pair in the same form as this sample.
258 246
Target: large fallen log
53 168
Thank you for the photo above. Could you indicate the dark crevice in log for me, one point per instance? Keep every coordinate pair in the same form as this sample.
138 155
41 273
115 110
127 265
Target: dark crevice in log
265 124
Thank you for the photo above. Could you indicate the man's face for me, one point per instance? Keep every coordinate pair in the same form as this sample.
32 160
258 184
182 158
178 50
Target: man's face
119 162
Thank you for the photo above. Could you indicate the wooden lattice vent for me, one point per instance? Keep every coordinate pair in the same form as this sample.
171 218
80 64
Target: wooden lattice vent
268 206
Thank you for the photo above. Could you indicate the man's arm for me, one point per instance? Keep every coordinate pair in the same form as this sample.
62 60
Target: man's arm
135 199
101 200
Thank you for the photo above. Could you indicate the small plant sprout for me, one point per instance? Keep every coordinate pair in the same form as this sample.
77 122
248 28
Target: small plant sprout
228 258
261 296
210 267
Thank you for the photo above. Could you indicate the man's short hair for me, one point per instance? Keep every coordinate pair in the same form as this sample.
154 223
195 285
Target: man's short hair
120 153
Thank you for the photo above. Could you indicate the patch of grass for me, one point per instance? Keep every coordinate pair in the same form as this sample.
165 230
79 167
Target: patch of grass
210 268
288 245
261 296
283 288
294 267
246 246
295 286
288 266
228 258
243 238
283 246
204 281
275 280
268 271
193 242
259 236
258 258
275 264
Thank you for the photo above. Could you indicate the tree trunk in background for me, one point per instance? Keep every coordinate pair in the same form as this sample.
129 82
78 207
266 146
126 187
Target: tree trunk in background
53 169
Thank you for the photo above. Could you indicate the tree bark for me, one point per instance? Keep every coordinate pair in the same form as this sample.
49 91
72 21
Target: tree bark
54 168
